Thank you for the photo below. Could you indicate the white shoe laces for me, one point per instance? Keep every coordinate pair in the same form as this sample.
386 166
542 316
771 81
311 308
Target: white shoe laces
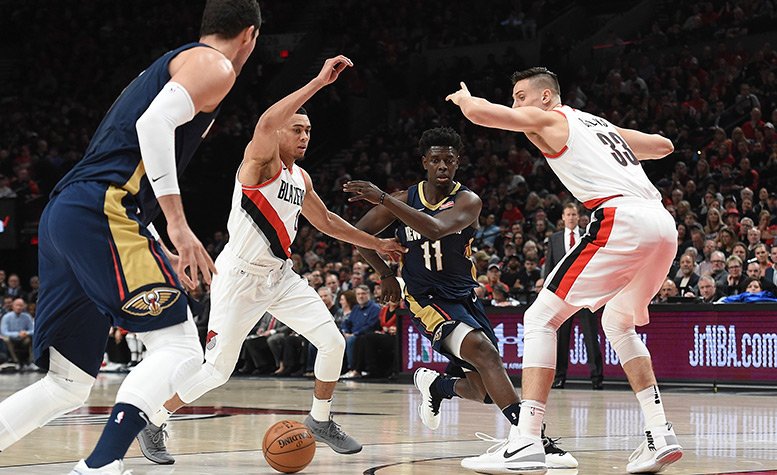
498 444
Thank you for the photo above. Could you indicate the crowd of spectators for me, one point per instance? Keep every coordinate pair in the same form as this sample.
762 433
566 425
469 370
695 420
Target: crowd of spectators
718 105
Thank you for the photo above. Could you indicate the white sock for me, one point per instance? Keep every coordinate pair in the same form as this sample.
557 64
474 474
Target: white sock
160 417
531 417
320 409
652 406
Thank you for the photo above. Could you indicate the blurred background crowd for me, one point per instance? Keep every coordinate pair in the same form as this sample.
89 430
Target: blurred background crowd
699 73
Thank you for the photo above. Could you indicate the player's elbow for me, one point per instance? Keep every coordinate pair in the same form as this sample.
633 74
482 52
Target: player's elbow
666 147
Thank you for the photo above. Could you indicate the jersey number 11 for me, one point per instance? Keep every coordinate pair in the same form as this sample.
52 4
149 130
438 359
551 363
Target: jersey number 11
429 249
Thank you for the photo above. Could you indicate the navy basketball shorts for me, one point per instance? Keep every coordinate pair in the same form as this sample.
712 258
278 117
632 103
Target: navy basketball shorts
435 318
99 266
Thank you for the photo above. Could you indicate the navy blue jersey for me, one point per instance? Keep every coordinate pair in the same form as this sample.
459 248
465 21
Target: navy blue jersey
440 268
113 155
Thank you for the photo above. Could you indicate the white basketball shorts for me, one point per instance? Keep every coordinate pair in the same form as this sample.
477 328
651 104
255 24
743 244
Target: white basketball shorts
622 260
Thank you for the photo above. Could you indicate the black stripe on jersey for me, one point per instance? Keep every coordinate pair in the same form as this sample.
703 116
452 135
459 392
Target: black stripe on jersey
570 258
265 227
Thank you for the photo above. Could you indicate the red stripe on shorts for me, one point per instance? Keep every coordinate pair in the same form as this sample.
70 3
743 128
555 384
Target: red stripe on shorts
587 253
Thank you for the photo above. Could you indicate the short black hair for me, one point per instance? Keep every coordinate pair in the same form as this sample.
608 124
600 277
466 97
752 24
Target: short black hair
441 137
227 18
539 73
301 111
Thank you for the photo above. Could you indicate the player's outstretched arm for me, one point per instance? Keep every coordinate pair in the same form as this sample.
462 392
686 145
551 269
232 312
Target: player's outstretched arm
464 212
262 149
198 84
646 146
315 211
375 221
487 114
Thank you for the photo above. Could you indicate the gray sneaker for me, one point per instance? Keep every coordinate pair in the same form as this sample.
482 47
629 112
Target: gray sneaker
330 433
152 443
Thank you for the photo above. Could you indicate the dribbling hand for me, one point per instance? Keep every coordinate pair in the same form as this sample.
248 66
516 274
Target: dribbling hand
332 69
391 248
459 95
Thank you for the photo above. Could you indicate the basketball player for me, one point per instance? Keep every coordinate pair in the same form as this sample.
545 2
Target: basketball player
437 221
255 270
99 263
621 261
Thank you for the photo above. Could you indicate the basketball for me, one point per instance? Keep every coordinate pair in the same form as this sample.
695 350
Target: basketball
288 446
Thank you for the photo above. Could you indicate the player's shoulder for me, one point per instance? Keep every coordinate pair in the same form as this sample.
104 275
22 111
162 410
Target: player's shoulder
206 63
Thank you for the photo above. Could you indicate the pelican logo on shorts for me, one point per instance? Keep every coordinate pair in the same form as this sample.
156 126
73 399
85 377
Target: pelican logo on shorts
152 302
439 332
210 340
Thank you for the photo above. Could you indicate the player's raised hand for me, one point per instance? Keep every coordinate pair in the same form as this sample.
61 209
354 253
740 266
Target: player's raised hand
457 96
363 190
332 69
391 248
192 256
390 290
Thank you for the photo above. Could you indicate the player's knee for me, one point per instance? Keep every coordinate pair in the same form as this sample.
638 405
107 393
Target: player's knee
66 393
619 328
328 340
484 355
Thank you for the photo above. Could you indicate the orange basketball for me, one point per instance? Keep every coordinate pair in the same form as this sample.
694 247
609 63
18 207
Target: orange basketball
288 446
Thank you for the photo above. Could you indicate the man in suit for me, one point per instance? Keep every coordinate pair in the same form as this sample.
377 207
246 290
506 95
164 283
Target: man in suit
560 243
687 279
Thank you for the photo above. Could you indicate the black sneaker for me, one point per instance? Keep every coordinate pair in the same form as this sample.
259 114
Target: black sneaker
555 456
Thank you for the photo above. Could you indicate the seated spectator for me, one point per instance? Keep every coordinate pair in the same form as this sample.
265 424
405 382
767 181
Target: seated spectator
502 299
376 352
761 255
527 276
718 262
669 289
14 288
734 280
16 330
753 293
707 292
494 276
740 250
770 273
687 279
753 271
256 353
362 320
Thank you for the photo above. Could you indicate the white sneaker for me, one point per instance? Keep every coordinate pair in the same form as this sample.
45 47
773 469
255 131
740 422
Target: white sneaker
659 449
429 408
114 468
517 455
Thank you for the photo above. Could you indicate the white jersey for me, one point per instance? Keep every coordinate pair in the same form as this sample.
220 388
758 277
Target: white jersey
596 163
263 220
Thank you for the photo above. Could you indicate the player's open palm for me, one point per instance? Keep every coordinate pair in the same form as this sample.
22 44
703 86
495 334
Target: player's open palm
192 256
332 69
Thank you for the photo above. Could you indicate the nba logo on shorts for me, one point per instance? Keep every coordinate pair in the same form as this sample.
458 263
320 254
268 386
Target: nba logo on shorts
210 340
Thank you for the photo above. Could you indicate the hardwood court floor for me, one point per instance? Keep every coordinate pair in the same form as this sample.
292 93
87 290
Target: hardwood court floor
721 433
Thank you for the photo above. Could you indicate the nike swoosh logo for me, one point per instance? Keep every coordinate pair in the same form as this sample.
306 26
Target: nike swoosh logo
154 180
510 454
